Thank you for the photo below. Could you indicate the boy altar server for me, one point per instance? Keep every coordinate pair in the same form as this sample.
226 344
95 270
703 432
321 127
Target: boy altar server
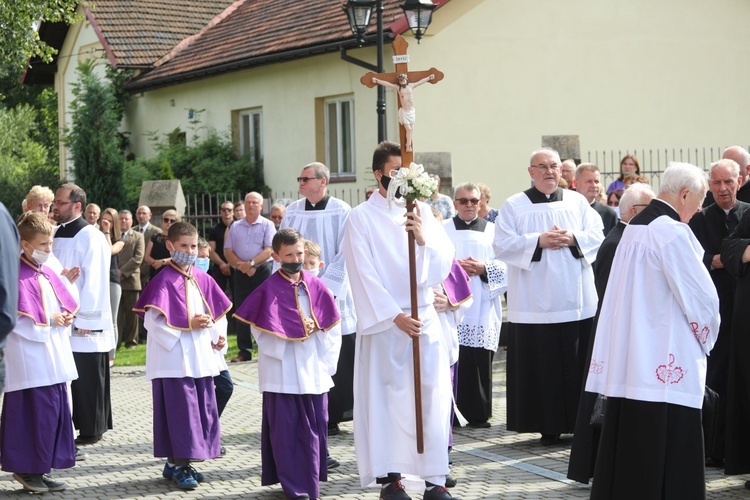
36 433
294 320
184 312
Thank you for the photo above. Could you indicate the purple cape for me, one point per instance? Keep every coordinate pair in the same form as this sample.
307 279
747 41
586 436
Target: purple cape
166 292
30 301
456 285
272 307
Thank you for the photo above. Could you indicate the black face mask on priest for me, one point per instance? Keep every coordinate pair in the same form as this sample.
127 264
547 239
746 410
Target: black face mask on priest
385 181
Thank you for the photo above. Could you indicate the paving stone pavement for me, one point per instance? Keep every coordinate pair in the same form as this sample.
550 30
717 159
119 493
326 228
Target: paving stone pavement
489 463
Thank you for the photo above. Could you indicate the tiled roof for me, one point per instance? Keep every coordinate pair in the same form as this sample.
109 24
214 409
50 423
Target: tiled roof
136 33
258 32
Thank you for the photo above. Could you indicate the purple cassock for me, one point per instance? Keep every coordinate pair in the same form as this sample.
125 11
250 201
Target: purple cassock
457 289
36 433
166 292
30 302
273 306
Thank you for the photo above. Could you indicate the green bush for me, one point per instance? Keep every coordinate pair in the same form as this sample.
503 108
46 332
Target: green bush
211 166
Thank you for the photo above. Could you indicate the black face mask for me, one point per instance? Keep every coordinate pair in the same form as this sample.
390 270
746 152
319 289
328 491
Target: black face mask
385 181
292 267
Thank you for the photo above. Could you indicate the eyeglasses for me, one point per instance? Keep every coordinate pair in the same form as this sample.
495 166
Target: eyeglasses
306 179
59 203
547 168
171 221
226 209
466 201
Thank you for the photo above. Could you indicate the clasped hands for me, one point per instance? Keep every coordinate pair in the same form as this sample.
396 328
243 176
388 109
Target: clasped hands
246 268
472 266
62 319
556 238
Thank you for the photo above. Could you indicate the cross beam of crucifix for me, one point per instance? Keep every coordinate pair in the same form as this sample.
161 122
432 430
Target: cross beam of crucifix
404 88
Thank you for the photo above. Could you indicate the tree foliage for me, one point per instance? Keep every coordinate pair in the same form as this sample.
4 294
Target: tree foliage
94 140
19 40
210 166
24 160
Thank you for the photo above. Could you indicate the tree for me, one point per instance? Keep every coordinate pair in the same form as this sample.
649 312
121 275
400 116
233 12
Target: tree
24 161
19 40
94 140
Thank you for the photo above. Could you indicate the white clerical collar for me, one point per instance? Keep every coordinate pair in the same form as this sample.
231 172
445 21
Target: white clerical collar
63 224
468 223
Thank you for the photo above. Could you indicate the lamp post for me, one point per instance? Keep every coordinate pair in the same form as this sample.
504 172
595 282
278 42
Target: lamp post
359 12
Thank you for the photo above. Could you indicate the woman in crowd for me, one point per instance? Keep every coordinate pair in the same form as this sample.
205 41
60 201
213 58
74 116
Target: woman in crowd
629 165
157 255
109 224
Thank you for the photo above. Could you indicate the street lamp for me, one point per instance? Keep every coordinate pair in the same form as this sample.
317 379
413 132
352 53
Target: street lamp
359 12
419 15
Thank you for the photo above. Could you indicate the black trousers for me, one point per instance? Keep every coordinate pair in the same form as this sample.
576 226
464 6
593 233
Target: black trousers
244 285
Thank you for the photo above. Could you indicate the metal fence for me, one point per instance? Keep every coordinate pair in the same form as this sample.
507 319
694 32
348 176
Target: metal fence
653 161
202 211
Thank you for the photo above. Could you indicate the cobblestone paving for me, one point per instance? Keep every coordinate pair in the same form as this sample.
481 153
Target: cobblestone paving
489 463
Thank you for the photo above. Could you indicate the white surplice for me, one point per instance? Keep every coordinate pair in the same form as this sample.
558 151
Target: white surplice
659 319
481 325
326 228
298 367
376 252
174 353
560 287
89 250
39 355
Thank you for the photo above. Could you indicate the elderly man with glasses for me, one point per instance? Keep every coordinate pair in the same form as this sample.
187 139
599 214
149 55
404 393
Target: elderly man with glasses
549 238
479 330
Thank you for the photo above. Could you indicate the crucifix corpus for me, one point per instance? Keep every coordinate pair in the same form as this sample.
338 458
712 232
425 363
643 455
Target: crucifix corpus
404 82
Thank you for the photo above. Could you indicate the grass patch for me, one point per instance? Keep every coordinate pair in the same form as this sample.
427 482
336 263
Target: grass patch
137 356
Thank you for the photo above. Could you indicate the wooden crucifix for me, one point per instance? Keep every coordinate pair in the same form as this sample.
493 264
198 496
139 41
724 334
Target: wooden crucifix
400 81
404 82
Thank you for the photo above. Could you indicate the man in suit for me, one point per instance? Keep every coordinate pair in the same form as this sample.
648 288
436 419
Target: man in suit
587 183
148 230
131 258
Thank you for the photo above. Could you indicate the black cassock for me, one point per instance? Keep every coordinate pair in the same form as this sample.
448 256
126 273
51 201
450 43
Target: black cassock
737 451
586 437
710 226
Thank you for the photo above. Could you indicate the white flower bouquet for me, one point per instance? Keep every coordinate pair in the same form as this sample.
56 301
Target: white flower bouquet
411 184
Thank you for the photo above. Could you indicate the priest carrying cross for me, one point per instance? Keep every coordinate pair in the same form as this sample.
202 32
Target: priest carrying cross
375 249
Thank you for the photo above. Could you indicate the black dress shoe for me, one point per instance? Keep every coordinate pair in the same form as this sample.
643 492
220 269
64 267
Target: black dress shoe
394 491
481 425
438 493
450 481
333 429
714 462
549 439
81 439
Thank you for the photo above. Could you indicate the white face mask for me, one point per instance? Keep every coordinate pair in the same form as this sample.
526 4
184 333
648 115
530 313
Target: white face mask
39 256
314 272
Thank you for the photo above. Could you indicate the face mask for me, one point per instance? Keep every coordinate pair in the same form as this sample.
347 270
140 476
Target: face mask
202 263
385 181
39 256
292 267
183 258
314 272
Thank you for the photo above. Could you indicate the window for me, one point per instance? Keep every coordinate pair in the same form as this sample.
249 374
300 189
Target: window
339 136
251 134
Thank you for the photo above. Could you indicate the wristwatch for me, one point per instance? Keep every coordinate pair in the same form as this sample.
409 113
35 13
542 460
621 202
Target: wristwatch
252 263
